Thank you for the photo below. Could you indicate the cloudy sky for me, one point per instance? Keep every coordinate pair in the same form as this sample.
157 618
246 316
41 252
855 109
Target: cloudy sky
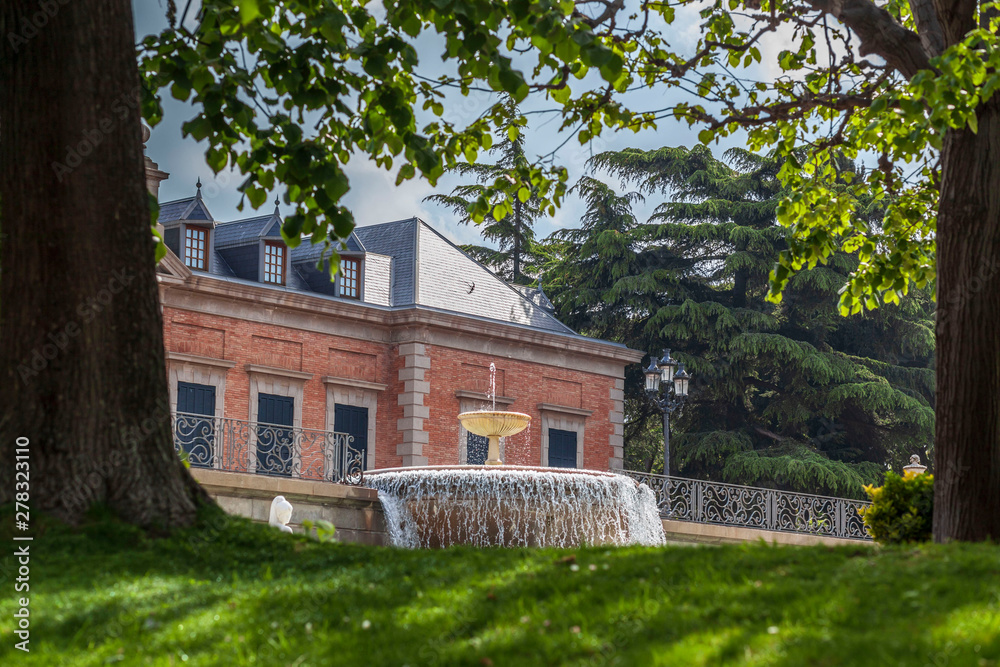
374 197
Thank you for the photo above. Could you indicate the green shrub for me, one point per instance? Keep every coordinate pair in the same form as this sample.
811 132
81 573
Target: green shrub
901 510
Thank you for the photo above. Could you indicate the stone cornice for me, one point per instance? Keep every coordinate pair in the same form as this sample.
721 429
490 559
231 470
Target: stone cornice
351 383
202 361
564 409
278 372
419 316
480 396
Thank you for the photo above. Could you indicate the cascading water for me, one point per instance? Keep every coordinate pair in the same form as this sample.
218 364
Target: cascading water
514 506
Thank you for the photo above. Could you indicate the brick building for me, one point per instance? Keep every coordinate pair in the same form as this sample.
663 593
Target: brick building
389 353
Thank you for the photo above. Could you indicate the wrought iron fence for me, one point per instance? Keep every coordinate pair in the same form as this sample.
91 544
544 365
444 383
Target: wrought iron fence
700 501
234 445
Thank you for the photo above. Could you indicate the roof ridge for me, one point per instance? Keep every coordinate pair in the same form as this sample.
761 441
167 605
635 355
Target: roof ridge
173 201
222 259
389 222
257 217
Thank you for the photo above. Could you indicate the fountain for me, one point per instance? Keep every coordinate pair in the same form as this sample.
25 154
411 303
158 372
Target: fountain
499 505
494 425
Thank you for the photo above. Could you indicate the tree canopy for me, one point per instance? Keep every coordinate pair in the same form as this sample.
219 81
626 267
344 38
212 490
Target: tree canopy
787 395
285 86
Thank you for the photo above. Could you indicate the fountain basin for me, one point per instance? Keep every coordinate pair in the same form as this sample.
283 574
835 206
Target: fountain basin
494 422
514 506
494 425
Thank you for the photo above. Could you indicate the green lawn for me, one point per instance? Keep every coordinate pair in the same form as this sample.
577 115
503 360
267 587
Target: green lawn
233 593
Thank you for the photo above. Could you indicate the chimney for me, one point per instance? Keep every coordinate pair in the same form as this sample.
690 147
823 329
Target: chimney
153 173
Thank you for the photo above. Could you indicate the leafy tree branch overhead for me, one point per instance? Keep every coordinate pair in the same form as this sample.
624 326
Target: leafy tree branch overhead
285 86
289 91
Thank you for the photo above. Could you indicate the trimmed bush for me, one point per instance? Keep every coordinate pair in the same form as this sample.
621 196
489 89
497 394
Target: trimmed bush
901 510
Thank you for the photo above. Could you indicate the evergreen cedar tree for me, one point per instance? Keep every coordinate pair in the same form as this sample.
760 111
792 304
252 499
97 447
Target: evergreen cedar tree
516 257
287 92
789 395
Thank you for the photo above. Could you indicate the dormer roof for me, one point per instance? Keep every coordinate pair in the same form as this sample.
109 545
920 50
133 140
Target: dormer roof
309 252
250 230
191 209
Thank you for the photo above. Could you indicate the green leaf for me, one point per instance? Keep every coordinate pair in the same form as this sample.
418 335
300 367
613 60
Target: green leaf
249 10
561 95
256 195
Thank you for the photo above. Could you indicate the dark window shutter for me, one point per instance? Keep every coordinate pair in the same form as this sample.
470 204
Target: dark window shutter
477 448
275 444
193 432
353 421
562 448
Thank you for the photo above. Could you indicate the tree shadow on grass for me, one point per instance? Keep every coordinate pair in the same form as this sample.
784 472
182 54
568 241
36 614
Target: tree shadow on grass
700 608
247 592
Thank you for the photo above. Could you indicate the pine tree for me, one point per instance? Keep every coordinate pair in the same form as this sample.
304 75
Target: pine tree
515 259
790 395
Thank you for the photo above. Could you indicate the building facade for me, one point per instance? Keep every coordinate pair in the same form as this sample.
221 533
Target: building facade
270 359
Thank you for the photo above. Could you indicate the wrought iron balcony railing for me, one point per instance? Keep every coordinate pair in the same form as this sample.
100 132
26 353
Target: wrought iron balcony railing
234 445
700 501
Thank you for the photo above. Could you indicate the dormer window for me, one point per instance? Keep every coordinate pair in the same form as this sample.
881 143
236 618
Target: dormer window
274 262
195 247
349 283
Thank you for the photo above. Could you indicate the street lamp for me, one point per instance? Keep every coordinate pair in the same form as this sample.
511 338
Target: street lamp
671 376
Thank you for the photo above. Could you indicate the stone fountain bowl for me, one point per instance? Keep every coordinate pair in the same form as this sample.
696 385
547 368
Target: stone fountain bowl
514 506
495 423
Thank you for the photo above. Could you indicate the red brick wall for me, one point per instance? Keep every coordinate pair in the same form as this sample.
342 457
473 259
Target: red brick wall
529 384
240 341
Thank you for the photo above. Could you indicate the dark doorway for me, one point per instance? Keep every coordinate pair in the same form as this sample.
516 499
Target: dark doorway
274 443
194 429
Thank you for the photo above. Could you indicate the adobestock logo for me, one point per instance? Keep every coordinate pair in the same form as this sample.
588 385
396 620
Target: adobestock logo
32 23
56 342
121 107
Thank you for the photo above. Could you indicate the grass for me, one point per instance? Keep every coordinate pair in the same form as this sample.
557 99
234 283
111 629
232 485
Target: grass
232 593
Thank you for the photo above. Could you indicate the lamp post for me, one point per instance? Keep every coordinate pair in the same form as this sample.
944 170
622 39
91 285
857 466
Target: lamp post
671 376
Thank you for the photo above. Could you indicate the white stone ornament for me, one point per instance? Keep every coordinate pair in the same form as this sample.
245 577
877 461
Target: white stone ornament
281 514
915 467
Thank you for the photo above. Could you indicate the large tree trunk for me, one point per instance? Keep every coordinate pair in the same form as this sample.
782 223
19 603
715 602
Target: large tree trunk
82 372
967 442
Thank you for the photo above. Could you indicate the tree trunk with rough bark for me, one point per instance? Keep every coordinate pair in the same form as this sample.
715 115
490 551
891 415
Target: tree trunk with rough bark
81 337
967 441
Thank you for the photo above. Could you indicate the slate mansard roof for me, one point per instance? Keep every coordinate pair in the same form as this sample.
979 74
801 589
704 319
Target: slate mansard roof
406 264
